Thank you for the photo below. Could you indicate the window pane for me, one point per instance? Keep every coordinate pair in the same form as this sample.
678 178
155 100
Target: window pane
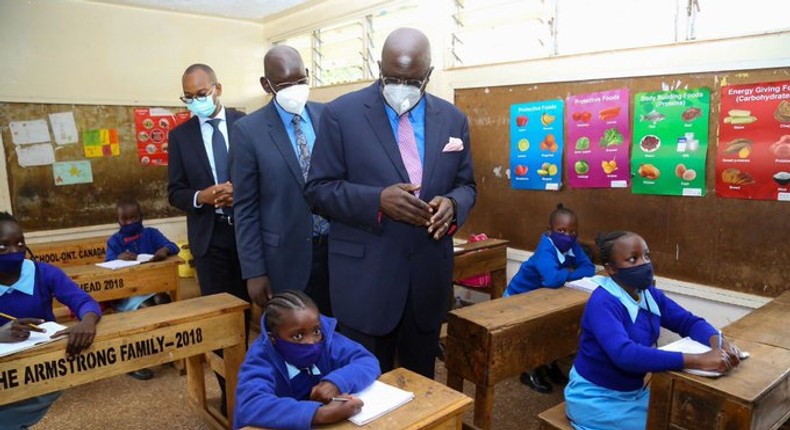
341 57
301 44
725 18
589 26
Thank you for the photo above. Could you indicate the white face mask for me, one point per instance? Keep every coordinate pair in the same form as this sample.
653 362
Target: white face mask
401 97
293 99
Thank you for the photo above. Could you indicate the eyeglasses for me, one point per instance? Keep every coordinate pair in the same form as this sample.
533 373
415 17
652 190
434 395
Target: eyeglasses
199 98
284 85
387 80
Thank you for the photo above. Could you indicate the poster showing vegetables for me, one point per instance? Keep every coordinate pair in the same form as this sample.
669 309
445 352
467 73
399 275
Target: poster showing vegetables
670 142
753 157
536 141
151 128
598 140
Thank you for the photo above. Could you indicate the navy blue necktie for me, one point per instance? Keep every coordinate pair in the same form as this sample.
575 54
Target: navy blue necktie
220 149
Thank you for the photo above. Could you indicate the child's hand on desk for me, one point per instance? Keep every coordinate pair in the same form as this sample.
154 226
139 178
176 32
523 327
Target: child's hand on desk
19 329
336 411
160 254
81 335
715 359
127 255
324 391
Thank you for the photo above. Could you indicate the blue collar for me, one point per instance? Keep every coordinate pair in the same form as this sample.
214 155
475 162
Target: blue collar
287 117
26 281
293 371
631 305
416 113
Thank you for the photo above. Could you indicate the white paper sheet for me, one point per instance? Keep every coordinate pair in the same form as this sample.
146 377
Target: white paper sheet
379 399
39 154
27 132
64 128
120 264
688 345
34 340
583 284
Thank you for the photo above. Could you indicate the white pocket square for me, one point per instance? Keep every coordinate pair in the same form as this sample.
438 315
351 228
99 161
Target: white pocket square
454 145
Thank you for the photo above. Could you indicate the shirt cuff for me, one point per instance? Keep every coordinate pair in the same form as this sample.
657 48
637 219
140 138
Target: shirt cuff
195 201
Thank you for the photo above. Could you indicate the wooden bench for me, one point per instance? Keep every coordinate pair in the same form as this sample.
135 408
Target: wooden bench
475 258
434 407
495 340
555 418
68 253
135 340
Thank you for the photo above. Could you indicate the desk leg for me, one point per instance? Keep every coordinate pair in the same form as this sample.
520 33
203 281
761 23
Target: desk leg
498 283
484 405
661 387
196 384
233 357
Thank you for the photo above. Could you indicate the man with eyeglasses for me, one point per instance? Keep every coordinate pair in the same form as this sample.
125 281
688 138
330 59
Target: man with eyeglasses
393 171
282 244
199 184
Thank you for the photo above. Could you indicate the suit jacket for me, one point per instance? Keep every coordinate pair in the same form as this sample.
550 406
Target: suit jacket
188 171
274 226
374 265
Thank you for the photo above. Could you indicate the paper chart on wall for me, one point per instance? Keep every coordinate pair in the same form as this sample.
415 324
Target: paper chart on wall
39 154
64 128
72 172
28 132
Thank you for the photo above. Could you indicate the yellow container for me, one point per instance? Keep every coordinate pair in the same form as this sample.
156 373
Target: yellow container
186 270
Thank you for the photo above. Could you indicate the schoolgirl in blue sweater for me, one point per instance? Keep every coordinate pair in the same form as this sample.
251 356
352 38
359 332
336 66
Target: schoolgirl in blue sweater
620 327
558 259
27 289
293 372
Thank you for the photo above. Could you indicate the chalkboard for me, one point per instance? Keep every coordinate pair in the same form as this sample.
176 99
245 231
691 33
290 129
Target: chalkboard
41 205
740 245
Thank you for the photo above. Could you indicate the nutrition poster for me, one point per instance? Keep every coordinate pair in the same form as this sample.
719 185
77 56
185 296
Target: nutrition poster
753 157
151 128
536 145
670 142
598 140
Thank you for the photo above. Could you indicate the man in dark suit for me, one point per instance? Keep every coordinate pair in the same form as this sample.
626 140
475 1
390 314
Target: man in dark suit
282 244
199 184
392 170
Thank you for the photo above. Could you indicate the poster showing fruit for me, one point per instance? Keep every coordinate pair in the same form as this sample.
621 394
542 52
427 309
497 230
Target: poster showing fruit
536 141
753 152
152 126
598 140
670 143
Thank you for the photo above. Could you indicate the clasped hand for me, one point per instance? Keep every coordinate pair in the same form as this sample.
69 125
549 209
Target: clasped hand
400 203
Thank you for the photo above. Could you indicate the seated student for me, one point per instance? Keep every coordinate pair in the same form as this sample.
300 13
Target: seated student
620 327
558 259
133 239
26 292
294 370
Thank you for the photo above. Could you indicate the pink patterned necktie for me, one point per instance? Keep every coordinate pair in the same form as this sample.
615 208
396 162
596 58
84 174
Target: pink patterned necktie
408 151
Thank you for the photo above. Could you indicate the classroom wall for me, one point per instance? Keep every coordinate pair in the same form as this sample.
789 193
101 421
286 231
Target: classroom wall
68 51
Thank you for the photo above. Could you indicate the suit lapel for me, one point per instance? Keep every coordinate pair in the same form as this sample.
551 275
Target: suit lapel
434 124
200 147
383 130
282 142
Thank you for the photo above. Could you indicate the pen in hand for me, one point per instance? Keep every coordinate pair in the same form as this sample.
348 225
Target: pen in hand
339 399
720 339
10 318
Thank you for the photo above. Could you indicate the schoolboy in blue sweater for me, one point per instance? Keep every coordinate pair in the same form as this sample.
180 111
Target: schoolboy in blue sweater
294 370
558 259
620 326
26 292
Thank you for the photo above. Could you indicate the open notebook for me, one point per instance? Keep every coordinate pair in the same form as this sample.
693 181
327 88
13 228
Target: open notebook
120 264
379 399
34 340
688 345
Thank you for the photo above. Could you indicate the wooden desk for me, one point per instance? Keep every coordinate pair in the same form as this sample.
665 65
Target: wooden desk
754 396
499 339
767 324
105 284
135 340
69 253
485 256
784 298
434 407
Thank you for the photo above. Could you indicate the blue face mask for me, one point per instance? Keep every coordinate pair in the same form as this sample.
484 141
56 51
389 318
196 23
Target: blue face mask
639 277
132 229
12 262
563 242
301 355
202 109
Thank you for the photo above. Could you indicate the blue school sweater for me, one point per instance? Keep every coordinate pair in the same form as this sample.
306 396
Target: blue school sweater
544 269
147 242
48 282
616 353
265 395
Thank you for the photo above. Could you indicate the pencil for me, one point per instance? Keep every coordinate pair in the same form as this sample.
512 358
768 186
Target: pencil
339 399
9 317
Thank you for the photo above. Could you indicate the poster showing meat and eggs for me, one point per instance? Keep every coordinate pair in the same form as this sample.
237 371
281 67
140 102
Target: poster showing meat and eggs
152 126
753 157
536 143
598 137
670 142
